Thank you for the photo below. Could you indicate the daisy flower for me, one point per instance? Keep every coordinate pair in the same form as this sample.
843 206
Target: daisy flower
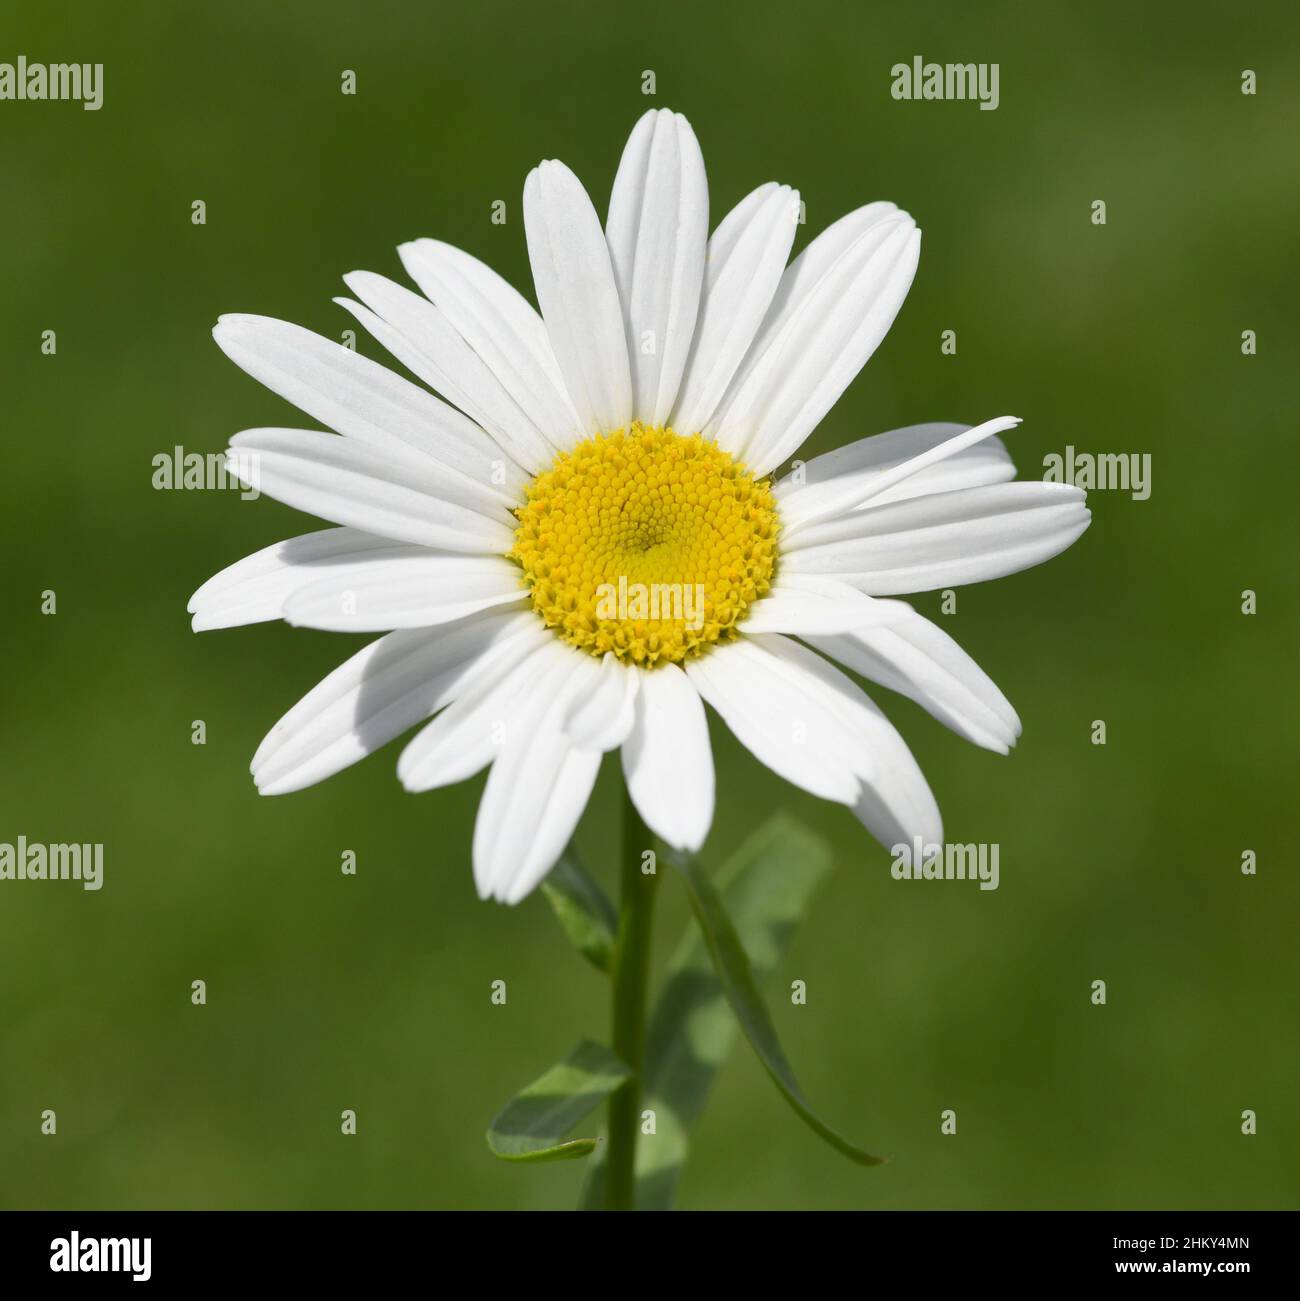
581 543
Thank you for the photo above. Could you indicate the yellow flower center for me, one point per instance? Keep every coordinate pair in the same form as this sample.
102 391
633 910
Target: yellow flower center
647 543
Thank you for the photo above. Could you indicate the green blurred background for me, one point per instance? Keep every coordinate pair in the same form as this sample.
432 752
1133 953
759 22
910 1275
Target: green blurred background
1119 862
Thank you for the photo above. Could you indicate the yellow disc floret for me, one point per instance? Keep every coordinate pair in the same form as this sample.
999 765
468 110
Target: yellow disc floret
647 543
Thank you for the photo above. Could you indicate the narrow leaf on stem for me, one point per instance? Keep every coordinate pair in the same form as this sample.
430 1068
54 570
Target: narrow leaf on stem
583 909
733 969
532 1125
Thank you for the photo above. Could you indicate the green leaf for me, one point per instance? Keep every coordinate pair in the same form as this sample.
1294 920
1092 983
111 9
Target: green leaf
766 886
583 909
741 989
532 1125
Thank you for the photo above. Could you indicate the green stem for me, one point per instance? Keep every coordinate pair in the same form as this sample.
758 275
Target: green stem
630 976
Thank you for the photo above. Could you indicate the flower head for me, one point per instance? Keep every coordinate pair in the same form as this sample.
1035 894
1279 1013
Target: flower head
583 544
676 519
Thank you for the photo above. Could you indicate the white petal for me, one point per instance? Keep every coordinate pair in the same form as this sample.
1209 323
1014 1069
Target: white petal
538 784
667 759
602 715
467 735
363 400
254 589
502 327
870 475
808 603
376 695
425 341
821 255
569 795
415 590
578 296
766 696
944 540
742 269
859 464
833 308
349 484
894 802
914 657
657 228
